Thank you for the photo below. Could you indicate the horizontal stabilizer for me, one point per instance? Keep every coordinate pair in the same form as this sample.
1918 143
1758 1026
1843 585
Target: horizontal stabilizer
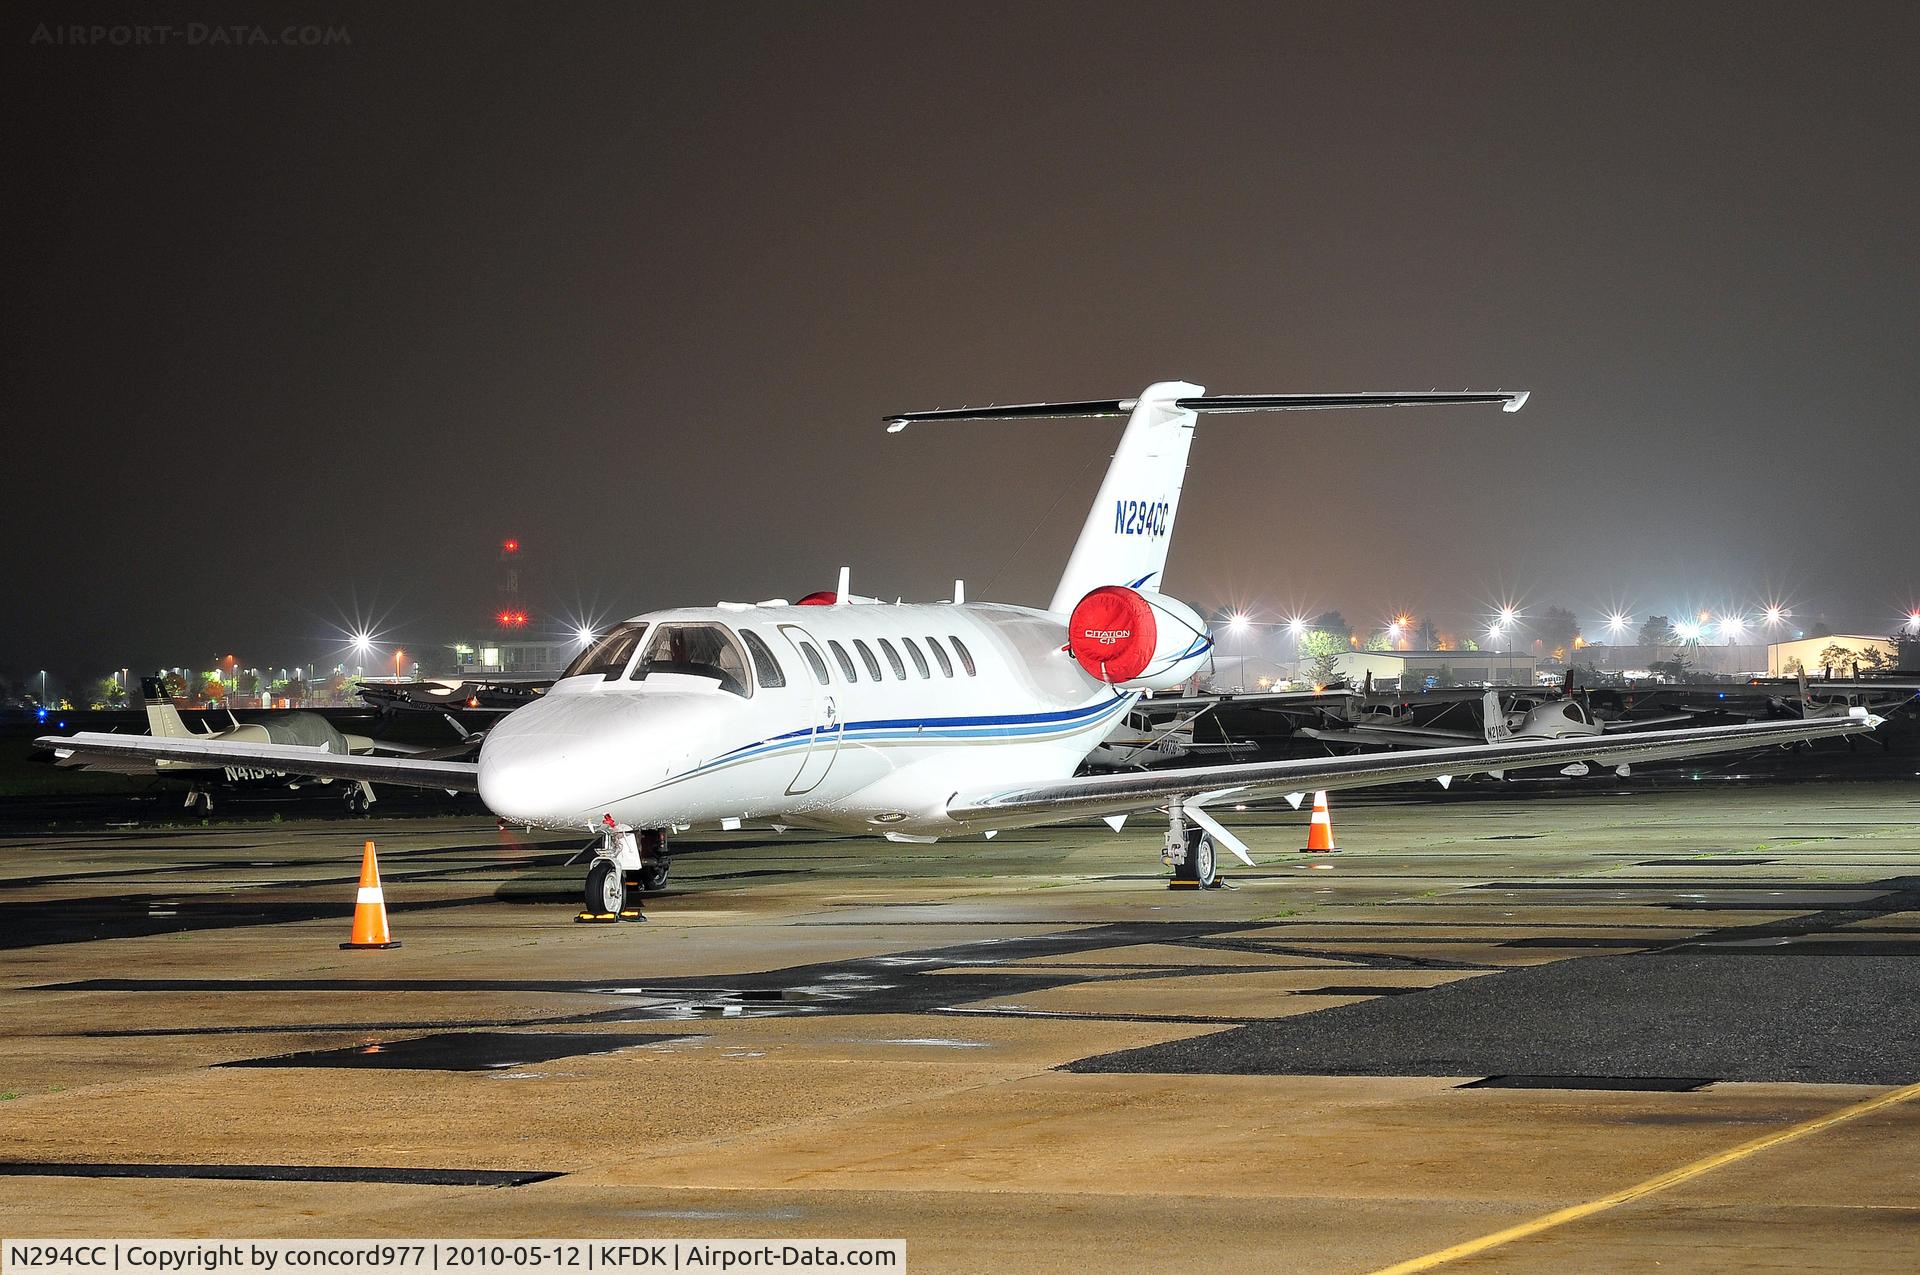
1510 401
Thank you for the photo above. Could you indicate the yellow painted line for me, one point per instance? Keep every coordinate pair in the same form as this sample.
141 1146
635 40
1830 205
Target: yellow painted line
1673 1177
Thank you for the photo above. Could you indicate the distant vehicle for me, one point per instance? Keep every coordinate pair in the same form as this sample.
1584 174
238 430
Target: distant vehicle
284 729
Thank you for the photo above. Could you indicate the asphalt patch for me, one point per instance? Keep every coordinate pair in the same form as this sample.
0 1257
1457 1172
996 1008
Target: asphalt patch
1702 863
40 923
461 1051
275 1173
1735 1016
1632 1084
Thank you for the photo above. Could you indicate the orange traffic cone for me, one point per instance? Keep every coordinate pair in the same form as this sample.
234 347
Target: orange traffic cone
370 907
1320 831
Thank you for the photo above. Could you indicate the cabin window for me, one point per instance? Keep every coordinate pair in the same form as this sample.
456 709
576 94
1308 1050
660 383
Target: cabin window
966 656
608 657
866 657
696 650
893 658
765 667
844 660
940 657
819 665
919 660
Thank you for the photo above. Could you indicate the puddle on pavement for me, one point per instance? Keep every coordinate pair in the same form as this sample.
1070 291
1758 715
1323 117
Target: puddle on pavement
462 1051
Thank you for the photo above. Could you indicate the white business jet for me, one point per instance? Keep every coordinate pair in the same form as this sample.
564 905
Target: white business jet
920 721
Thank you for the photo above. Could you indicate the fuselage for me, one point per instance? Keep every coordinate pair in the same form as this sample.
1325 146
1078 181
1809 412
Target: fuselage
863 717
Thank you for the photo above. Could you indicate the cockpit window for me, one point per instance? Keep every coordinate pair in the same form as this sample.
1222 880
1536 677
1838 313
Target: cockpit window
697 650
608 657
765 667
1577 713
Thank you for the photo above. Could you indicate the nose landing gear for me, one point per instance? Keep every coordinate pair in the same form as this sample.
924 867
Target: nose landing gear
608 895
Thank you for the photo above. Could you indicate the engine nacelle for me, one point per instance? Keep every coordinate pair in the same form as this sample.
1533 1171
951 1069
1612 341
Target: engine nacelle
1137 640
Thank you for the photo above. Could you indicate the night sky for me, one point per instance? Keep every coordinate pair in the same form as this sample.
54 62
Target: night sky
295 333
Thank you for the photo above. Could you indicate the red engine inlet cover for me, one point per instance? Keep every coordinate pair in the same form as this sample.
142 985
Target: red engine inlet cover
1112 633
819 598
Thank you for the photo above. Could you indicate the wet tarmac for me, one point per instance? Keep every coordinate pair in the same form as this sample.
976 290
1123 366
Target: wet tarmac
1019 1054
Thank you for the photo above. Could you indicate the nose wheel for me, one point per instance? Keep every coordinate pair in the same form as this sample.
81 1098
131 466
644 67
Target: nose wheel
606 893
607 897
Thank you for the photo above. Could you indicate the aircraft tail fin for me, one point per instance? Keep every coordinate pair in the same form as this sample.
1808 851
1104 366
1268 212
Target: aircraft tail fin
163 719
1493 718
1130 527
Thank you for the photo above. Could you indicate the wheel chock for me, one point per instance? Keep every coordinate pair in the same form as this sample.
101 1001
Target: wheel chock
609 918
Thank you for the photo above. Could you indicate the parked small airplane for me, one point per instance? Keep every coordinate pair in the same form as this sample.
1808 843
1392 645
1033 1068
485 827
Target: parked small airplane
284 729
920 721
1162 729
476 694
1827 699
1527 715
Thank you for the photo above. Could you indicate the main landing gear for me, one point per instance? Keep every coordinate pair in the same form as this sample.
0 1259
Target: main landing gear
1189 852
625 865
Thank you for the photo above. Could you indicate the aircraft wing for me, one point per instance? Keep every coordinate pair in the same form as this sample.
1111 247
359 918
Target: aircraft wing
1389 736
1621 724
1257 781
1245 699
294 759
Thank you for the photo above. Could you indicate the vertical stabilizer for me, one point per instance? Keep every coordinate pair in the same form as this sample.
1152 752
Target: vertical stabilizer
163 719
1493 718
1130 526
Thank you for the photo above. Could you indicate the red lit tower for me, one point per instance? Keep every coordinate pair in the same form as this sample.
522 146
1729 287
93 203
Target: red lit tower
510 613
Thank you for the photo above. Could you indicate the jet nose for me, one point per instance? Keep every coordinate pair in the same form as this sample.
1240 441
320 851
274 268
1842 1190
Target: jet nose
566 761
531 767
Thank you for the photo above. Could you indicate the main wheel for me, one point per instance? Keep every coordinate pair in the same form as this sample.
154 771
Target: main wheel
653 874
606 888
1197 871
1200 860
